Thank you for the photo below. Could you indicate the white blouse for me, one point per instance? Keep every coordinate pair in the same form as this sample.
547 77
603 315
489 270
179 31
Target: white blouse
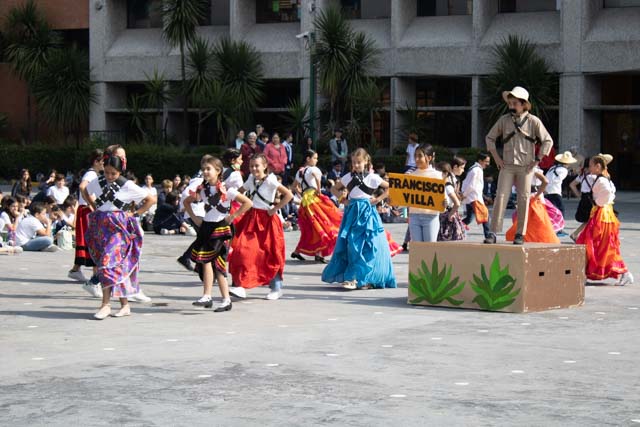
604 191
311 173
372 180
267 190
129 192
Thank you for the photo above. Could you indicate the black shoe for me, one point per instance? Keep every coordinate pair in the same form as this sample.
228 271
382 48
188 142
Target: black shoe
225 308
405 247
320 259
297 256
490 239
186 263
205 304
518 239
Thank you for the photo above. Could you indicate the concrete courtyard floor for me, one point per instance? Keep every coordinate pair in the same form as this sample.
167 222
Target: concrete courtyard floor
318 356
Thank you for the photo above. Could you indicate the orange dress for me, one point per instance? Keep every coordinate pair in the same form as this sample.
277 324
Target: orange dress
319 221
539 226
601 239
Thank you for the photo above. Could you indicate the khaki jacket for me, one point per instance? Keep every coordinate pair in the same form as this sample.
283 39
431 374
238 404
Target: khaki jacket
519 150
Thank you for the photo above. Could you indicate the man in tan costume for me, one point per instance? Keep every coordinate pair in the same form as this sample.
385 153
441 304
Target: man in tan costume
520 131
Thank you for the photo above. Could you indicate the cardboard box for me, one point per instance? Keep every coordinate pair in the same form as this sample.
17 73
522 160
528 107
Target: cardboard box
500 277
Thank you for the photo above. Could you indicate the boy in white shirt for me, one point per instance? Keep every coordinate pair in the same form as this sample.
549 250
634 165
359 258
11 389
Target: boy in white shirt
472 189
34 231
59 191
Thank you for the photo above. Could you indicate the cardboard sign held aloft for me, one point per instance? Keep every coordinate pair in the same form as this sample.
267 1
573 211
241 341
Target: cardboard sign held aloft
416 191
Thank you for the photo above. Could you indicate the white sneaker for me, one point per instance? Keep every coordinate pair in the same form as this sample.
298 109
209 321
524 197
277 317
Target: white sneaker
93 290
625 279
274 295
51 248
77 276
139 297
191 232
164 231
237 291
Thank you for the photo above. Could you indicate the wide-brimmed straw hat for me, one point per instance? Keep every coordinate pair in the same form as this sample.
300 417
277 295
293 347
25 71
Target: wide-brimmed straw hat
520 93
566 158
608 158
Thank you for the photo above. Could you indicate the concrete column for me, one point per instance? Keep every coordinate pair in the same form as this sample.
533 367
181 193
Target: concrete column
402 13
403 93
476 140
483 13
242 16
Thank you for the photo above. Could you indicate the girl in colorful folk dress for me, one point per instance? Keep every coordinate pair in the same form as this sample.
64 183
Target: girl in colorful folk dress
318 217
601 233
258 253
82 257
232 175
540 228
210 249
114 236
451 226
361 258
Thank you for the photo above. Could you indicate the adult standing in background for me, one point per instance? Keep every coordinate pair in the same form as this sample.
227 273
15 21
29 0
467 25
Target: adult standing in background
339 148
248 149
22 187
520 131
239 140
288 145
276 155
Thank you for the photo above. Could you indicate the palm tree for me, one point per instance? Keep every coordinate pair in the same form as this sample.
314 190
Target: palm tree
200 75
180 19
135 107
29 44
219 102
367 102
63 91
155 96
363 59
331 53
518 64
239 68
297 118
413 122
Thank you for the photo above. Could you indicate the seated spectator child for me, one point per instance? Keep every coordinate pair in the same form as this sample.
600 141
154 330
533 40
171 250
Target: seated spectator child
168 220
167 187
69 208
59 191
34 231
9 219
23 204
336 172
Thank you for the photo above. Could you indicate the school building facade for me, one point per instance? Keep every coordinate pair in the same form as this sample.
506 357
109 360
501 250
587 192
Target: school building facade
434 54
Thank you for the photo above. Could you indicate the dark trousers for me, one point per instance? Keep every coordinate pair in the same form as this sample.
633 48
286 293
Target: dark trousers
471 216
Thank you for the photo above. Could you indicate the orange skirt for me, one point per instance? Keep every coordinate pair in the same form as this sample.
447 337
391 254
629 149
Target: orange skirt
539 226
319 221
481 211
258 253
601 238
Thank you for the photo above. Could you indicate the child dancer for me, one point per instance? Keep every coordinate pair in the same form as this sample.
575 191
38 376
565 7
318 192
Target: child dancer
211 246
258 253
556 175
361 258
472 187
114 237
318 217
539 225
82 257
601 234
451 226
424 224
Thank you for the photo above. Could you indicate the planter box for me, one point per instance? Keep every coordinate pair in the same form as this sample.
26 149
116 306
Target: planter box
500 277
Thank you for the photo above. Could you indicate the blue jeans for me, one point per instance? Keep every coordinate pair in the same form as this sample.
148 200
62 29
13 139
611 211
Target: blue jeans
424 227
276 283
38 243
471 216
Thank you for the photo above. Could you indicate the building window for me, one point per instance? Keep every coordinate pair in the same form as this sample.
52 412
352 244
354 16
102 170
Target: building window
273 11
219 12
517 6
366 9
278 93
444 7
443 92
144 14
621 3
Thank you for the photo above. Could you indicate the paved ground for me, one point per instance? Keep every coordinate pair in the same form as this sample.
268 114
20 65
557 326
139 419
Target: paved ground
319 356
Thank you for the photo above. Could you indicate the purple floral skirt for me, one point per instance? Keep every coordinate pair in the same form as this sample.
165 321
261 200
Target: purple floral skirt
115 241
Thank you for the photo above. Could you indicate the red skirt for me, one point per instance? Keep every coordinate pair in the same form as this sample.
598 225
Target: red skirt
82 251
394 248
601 238
539 226
319 221
258 252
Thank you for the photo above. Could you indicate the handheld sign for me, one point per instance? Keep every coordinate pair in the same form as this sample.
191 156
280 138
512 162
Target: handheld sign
416 191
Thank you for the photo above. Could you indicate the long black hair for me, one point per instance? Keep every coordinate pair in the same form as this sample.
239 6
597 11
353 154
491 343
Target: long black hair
115 162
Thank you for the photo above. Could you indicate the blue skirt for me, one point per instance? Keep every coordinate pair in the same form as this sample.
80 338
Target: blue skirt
362 251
